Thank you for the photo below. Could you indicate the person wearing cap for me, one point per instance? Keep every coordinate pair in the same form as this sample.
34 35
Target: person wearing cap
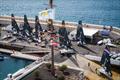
38 27
80 34
63 35
105 60
14 23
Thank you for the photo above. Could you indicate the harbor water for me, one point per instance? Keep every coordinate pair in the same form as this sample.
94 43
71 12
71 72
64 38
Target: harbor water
104 12
11 65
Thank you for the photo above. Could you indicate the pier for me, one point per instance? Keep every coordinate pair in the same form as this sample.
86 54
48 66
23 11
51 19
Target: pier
26 50
38 61
18 54
24 56
25 71
36 46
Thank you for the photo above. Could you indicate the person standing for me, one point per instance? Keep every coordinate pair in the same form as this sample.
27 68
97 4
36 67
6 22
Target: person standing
50 26
14 24
105 60
38 27
63 35
80 34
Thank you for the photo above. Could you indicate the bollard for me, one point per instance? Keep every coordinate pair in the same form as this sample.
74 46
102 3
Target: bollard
9 77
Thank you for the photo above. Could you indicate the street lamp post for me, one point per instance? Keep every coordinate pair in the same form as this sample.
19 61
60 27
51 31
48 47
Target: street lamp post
53 43
52 54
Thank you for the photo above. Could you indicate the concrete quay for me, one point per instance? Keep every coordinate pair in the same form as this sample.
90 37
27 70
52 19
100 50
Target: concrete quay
69 25
18 54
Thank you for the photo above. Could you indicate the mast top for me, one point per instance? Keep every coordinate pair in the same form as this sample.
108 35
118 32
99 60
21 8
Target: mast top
51 3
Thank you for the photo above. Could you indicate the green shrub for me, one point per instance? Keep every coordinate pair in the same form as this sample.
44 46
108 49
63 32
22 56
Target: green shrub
48 65
36 74
117 42
63 68
61 78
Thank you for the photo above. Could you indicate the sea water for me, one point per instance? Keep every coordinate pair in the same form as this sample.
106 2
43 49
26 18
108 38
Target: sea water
105 12
11 65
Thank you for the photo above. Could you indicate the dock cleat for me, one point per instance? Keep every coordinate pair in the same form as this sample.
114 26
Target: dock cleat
67 51
80 43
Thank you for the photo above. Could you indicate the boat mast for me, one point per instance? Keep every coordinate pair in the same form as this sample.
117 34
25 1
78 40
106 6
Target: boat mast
51 3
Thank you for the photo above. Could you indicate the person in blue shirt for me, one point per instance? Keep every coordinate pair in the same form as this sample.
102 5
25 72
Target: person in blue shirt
105 60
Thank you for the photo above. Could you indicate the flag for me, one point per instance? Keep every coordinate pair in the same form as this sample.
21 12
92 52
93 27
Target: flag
54 40
47 14
54 43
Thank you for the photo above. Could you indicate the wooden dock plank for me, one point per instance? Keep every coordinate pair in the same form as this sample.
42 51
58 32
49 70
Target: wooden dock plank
24 56
6 51
36 52
18 54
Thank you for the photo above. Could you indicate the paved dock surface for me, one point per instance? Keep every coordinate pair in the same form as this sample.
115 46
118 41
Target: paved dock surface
18 54
24 56
36 52
77 61
6 51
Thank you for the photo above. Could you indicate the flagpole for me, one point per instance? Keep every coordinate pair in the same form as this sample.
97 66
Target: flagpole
51 3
